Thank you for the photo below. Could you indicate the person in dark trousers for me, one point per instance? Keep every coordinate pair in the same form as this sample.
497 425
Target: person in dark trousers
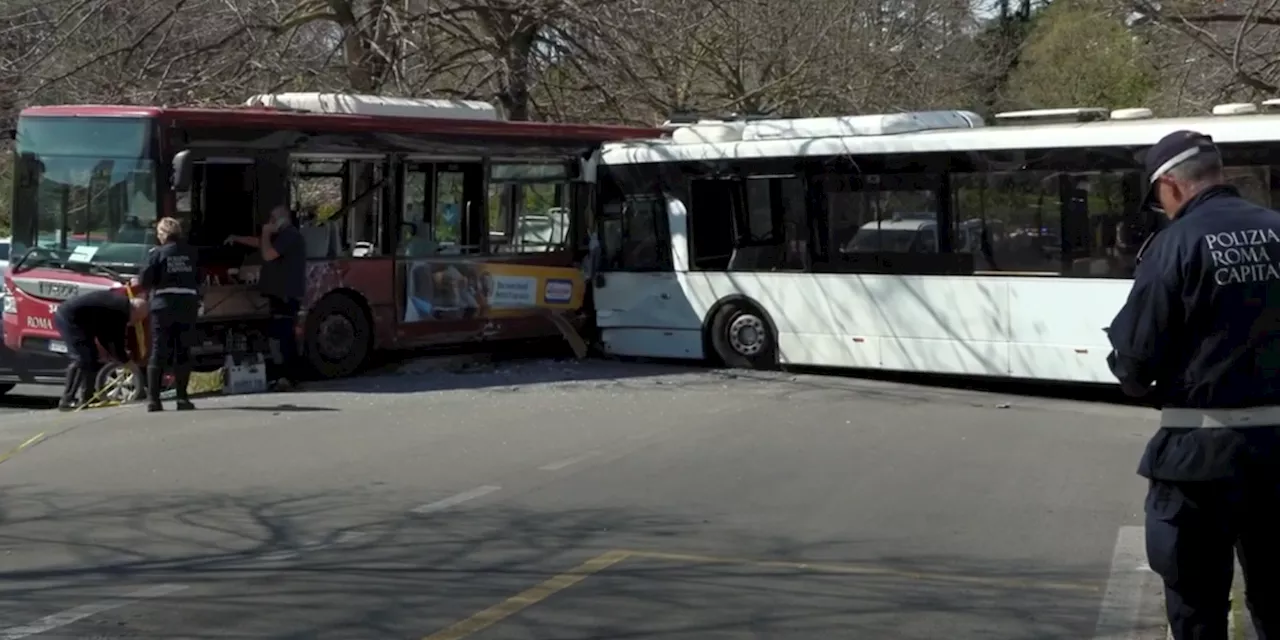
172 280
85 322
1199 338
284 283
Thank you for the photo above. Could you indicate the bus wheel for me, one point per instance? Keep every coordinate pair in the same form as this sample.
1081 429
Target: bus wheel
127 382
338 337
742 338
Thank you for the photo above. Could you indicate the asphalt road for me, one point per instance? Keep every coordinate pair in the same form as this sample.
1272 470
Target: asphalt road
29 397
576 501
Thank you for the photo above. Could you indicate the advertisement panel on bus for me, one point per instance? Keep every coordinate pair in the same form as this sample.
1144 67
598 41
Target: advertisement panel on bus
439 290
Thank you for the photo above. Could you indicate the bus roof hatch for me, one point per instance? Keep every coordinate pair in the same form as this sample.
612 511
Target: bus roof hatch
868 125
1053 116
351 104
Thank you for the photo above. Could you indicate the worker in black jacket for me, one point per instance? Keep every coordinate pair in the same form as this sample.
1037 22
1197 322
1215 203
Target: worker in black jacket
284 284
172 281
85 322
1199 338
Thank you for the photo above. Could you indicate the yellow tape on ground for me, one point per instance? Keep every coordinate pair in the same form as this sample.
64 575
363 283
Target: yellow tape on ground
20 448
97 402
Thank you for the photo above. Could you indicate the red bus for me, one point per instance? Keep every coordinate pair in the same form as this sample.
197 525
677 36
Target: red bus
427 222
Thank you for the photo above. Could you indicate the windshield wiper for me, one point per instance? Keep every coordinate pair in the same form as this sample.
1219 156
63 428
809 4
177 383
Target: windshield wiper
110 273
19 265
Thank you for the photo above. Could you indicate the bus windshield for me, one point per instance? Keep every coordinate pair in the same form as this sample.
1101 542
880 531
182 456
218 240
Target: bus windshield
85 193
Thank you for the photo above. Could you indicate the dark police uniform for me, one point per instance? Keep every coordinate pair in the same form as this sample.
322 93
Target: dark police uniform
99 317
173 281
1202 324
283 282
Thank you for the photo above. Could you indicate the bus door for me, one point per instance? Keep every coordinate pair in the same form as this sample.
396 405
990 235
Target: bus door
229 194
221 201
440 240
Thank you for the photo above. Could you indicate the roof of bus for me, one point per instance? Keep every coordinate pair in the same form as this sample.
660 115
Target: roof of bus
1107 133
264 116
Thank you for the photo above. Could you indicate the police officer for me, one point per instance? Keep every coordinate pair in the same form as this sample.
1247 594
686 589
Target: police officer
85 322
173 282
1199 338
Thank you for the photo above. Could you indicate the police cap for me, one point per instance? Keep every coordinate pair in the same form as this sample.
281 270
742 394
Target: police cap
1171 151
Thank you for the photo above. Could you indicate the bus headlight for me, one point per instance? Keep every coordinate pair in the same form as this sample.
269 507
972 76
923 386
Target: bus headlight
10 303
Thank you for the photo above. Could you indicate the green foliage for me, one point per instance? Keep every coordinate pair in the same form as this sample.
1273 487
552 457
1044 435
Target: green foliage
1079 55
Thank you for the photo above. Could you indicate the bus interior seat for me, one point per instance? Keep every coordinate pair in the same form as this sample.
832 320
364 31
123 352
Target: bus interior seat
321 239
132 233
754 258
420 246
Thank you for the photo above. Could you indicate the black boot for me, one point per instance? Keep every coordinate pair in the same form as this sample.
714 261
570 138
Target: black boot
88 379
181 380
154 376
68 400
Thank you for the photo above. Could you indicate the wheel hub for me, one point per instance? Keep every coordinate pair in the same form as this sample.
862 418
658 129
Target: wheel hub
337 336
122 383
747 335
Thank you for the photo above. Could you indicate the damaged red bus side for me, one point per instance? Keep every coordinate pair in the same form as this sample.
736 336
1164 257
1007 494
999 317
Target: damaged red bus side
426 222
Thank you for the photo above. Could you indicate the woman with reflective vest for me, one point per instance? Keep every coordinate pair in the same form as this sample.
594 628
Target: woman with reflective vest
172 281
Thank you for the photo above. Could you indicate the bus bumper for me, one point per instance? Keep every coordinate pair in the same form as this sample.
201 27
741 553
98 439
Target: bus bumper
28 367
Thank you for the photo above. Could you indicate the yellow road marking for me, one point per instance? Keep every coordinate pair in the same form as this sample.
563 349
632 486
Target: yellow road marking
528 597
18 449
556 584
867 570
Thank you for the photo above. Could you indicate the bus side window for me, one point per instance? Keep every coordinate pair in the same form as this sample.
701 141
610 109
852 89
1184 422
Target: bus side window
796 230
415 233
884 222
367 187
1099 215
1009 221
633 234
773 225
758 227
317 187
1254 182
716 222
1274 187
529 208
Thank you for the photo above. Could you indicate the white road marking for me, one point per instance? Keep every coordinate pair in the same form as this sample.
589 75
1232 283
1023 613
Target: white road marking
1121 615
1133 605
457 499
1240 622
289 554
70 616
567 462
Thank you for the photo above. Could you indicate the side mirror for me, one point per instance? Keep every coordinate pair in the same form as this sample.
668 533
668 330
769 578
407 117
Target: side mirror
181 179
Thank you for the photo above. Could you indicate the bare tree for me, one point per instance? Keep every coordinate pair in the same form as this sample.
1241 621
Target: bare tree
647 59
1213 52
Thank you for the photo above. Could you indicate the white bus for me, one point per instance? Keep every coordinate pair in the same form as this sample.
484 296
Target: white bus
926 242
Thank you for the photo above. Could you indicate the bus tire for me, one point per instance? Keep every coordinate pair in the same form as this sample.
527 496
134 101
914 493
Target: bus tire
338 336
128 382
743 338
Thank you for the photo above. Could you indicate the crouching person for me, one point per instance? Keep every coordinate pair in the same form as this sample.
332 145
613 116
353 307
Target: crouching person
84 322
